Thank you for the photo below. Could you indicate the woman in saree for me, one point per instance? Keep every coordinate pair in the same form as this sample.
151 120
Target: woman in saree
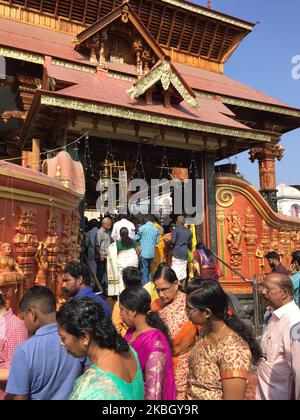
121 254
182 331
115 372
148 335
219 364
159 255
205 264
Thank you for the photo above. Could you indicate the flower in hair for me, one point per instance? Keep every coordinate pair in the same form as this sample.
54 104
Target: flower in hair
229 312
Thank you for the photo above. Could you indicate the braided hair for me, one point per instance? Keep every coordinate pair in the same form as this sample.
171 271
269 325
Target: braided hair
86 315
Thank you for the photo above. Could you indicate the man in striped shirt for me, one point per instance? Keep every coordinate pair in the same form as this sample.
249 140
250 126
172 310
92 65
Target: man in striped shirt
12 333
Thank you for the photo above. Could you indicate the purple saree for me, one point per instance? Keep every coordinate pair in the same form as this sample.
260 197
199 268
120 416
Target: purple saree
155 358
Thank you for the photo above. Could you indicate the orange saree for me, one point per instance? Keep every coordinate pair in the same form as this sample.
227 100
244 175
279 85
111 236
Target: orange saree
183 334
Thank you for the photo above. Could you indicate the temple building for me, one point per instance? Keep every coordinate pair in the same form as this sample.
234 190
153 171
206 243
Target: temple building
144 81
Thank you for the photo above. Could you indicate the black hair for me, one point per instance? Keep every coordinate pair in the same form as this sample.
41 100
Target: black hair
93 223
77 269
210 295
137 299
296 257
154 219
40 296
124 235
273 255
79 316
131 277
2 301
200 245
164 271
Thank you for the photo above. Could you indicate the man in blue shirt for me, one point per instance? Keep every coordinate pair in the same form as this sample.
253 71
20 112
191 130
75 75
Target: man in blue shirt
148 235
41 369
76 283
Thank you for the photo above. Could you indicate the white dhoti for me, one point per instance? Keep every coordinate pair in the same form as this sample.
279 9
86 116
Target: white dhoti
180 268
115 266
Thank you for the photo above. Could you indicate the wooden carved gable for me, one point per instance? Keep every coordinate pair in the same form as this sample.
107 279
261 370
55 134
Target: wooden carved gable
122 38
165 76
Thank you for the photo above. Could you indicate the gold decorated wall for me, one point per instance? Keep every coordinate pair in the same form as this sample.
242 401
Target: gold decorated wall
39 230
247 230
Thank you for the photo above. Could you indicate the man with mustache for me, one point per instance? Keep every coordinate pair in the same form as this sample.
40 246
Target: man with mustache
276 377
77 283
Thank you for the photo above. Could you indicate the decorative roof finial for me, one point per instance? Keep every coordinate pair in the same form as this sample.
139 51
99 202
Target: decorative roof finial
209 4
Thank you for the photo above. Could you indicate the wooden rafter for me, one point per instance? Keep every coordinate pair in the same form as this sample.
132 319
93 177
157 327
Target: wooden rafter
56 8
140 8
213 39
203 38
223 43
150 14
182 31
161 23
99 9
193 35
85 10
71 8
172 27
234 45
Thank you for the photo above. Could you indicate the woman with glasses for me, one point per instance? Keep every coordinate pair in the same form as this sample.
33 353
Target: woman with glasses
219 364
182 331
149 337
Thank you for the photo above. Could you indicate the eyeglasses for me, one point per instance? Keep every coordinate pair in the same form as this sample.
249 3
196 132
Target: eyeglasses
189 311
165 290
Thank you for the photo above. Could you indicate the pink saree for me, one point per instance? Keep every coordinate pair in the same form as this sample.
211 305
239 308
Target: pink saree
155 358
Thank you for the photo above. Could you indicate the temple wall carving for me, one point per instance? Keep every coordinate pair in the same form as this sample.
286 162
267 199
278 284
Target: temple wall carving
247 230
39 230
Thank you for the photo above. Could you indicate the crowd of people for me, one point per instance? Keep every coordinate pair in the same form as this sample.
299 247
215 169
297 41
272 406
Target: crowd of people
169 332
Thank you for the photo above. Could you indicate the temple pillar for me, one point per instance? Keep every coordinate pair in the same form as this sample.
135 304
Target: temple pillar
267 175
36 155
209 229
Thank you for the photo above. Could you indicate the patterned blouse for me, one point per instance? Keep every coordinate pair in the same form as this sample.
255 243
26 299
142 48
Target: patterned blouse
175 317
213 361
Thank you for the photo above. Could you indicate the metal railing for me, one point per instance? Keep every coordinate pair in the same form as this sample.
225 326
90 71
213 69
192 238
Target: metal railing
258 300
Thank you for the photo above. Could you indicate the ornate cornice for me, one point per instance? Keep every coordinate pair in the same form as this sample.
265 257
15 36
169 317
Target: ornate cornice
74 66
133 115
121 76
36 198
165 74
22 55
277 109
210 13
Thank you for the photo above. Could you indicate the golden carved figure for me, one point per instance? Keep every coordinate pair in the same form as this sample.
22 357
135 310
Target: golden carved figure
10 271
235 236
43 265
260 255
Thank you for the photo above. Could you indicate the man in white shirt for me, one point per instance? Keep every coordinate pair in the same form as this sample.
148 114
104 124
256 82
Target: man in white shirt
119 225
276 371
295 338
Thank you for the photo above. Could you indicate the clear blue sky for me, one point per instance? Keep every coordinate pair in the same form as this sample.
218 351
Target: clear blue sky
264 61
